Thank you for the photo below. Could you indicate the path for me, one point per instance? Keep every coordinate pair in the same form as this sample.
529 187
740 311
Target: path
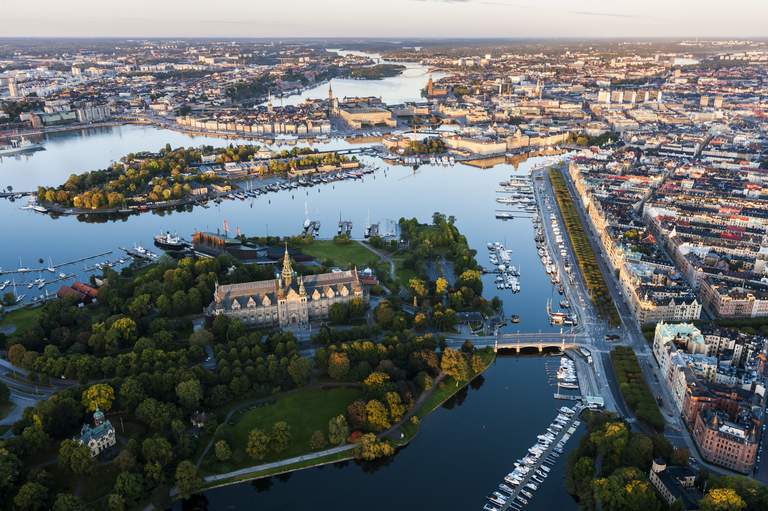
383 256
278 464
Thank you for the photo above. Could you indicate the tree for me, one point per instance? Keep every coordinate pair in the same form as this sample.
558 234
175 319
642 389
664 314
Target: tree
16 354
375 383
376 415
418 288
454 364
396 406
129 485
337 314
477 364
31 497
370 448
338 430
338 365
317 441
68 502
356 414
441 286
281 436
201 338
75 456
187 479
722 499
98 396
115 502
158 450
300 369
222 450
258 443
190 393
131 393
680 456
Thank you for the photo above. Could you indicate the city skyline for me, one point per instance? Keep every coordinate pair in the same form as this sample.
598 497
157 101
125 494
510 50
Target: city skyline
403 18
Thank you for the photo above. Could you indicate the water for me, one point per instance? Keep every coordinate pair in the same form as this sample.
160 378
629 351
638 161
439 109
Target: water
465 192
462 452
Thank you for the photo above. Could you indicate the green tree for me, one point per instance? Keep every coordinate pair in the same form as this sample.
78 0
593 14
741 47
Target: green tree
31 496
300 369
68 502
222 450
98 396
158 450
115 502
189 392
281 436
187 479
338 430
75 456
130 486
258 444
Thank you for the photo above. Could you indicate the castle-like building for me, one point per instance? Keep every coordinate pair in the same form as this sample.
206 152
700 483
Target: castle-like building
287 300
100 436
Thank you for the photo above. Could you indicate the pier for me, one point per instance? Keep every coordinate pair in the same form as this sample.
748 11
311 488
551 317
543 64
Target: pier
548 457
56 266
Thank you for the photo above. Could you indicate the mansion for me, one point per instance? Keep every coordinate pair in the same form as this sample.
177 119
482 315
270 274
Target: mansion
287 301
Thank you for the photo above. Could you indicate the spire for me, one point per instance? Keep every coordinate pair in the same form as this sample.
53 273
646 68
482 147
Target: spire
330 91
302 291
287 272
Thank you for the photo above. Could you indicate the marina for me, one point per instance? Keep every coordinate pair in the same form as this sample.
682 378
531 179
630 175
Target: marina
530 472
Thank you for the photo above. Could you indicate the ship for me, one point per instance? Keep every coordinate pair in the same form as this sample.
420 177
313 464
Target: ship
168 241
17 146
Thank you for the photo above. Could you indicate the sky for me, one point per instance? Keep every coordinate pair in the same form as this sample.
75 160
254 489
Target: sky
384 18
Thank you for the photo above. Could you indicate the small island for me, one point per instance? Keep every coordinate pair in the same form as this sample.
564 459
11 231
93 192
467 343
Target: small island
174 177
376 72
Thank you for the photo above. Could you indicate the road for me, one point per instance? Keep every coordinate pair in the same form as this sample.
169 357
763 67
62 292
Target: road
631 335
23 392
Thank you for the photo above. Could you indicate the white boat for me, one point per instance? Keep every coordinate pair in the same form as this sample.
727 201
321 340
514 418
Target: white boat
19 146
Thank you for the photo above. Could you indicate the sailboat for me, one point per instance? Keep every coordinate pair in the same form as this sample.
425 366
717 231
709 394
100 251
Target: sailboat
51 268
19 298
22 268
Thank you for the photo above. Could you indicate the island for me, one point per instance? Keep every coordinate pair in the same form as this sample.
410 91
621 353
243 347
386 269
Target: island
169 378
174 177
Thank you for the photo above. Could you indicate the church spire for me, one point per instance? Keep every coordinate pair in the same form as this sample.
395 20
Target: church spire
287 272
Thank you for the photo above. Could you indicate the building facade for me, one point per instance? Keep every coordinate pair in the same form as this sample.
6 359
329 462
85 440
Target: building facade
100 436
288 300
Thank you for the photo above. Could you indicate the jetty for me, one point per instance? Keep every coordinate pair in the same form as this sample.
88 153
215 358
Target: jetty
55 266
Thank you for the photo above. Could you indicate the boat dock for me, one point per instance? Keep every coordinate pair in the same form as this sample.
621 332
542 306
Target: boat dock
56 266
521 485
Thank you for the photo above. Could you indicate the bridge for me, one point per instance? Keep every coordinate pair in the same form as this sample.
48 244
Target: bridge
525 340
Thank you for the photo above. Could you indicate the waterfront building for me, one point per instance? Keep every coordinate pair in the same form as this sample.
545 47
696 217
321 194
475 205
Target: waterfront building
100 436
288 300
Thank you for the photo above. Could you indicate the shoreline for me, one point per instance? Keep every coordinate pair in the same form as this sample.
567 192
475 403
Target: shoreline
296 463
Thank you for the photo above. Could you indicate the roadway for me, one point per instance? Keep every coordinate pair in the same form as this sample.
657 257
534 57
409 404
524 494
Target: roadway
631 335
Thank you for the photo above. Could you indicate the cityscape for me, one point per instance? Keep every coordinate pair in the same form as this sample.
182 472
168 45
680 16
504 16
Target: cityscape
250 264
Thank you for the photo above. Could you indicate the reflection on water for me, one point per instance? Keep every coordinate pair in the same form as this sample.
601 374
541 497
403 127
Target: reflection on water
461 453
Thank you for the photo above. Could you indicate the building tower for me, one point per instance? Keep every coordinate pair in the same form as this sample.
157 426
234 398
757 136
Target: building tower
287 273
333 103
430 85
98 417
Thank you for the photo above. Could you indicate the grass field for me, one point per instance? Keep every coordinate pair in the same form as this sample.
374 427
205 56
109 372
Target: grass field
403 274
344 255
633 388
305 411
21 319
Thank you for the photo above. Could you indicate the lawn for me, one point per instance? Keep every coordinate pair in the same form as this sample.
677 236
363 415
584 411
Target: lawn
305 411
21 319
341 254
402 273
